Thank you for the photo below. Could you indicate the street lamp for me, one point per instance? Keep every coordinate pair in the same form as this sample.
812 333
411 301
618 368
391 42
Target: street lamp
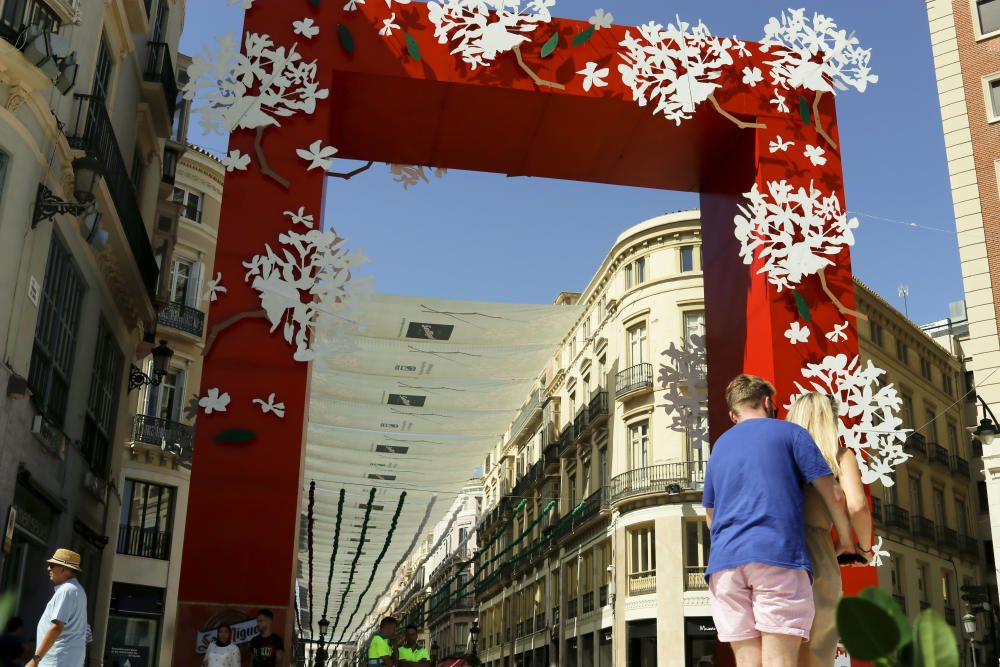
969 625
86 172
987 429
474 634
434 651
161 361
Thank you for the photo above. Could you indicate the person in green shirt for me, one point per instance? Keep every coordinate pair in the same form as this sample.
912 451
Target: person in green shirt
380 651
410 654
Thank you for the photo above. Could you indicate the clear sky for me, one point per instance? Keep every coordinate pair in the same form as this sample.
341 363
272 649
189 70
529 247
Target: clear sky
484 236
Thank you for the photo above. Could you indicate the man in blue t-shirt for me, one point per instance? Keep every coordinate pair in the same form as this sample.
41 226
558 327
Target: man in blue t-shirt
758 568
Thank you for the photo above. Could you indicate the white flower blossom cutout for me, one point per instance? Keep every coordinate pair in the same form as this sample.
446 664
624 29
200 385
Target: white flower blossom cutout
778 144
270 406
752 76
796 333
839 333
305 27
300 217
309 277
815 154
479 30
795 232
317 155
388 25
411 174
388 3
684 377
352 5
779 101
866 412
213 401
602 19
215 288
675 68
235 161
816 54
594 77
878 553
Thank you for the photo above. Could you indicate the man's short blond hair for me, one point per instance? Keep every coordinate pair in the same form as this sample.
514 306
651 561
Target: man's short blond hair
747 391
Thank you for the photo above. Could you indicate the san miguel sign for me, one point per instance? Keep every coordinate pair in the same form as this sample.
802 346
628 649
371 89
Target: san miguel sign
508 88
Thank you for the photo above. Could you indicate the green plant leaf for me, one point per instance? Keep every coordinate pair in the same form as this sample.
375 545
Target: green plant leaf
550 45
346 38
6 608
889 605
412 47
584 36
868 632
236 435
805 110
934 642
803 307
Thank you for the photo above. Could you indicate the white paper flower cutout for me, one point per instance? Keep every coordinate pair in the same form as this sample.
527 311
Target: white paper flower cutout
270 406
602 19
815 154
878 553
778 144
411 174
867 421
675 68
779 101
305 27
796 232
838 334
594 77
752 76
215 288
388 3
388 25
235 161
684 377
213 401
796 333
300 217
317 155
479 30
352 5
816 54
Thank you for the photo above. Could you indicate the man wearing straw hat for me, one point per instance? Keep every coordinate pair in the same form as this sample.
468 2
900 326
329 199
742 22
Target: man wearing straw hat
62 629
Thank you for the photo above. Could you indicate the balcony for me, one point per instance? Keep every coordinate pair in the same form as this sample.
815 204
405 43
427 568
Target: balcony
642 583
897 517
159 86
635 379
666 478
877 509
591 507
960 466
164 433
597 411
580 423
947 538
144 542
938 454
550 458
915 443
970 546
91 131
566 440
923 528
183 318
528 412
531 475
949 614
695 579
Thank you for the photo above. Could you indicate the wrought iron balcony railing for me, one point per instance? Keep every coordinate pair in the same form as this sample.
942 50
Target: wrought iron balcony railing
938 454
580 423
947 538
159 432
144 542
566 439
591 506
529 410
877 509
91 131
551 456
916 442
183 318
923 528
598 408
160 69
633 379
669 478
897 517
960 466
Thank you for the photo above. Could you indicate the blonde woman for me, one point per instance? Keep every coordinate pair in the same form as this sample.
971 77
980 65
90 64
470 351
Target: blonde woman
817 413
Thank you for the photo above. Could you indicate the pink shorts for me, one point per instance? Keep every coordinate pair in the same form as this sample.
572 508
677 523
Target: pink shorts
755 598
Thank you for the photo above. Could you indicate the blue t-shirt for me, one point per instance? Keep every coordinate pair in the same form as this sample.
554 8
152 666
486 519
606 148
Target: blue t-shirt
754 484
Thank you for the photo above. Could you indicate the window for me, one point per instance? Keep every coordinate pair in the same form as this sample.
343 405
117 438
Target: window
55 334
191 202
586 479
687 258
138 167
992 99
916 497
946 382
697 544
984 502
902 352
164 400
102 405
922 582
897 575
637 336
939 513
586 328
991 562
946 588
988 15
102 72
178 131
694 324
638 436
961 517
908 420
876 332
929 415
642 551
925 368
602 308
602 463
160 22
146 519
16 15
572 347
628 276
953 445
181 280
635 273
571 482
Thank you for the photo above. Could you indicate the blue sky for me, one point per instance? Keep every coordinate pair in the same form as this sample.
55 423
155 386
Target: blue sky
484 236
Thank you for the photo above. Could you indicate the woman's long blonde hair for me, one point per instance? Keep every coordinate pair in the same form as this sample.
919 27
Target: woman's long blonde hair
815 413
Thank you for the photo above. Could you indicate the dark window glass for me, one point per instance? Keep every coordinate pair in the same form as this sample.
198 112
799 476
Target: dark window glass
160 23
687 258
146 519
102 405
102 72
989 15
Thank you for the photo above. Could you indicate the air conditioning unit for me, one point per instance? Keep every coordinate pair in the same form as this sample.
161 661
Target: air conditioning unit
94 484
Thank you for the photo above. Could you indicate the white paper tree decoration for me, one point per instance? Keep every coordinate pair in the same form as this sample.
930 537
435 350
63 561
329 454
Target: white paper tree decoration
684 376
867 421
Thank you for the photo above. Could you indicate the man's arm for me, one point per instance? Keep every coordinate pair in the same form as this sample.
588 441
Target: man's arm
833 498
51 635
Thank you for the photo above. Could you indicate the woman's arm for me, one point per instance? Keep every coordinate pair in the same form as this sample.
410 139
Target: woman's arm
857 502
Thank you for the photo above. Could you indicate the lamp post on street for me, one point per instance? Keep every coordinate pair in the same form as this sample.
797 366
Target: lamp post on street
969 625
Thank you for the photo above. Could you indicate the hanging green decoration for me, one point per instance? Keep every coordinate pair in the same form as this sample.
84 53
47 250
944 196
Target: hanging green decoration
236 436
805 110
333 554
803 307
345 37
550 45
354 562
584 36
412 47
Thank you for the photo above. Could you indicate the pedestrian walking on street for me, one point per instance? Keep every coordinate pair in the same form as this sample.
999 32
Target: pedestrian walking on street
410 653
266 649
223 652
61 637
381 652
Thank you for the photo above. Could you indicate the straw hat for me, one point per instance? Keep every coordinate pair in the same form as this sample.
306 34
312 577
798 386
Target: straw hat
66 558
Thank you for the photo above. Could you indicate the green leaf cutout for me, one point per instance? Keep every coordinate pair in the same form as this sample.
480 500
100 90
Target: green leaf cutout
890 606
412 47
805 110
800 303
346 38
934 642
584 36
236 436
314 3
549 46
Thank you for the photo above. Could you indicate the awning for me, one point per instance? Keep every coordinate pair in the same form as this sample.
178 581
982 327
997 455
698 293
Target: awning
453 662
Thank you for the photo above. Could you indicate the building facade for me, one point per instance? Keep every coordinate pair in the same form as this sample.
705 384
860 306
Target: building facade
613 573
87 88
965 36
